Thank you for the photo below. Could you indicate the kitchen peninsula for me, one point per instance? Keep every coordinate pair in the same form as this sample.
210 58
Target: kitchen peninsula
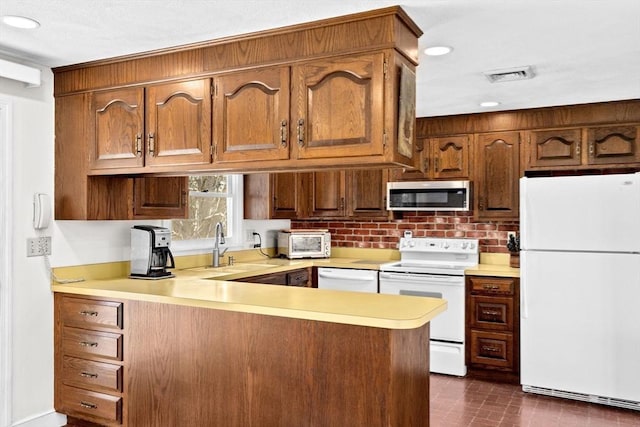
195 351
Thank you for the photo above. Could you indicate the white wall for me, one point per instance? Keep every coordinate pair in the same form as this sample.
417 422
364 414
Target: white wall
73 243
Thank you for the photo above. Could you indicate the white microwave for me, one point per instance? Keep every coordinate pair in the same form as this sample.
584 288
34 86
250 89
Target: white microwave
429 196
304 243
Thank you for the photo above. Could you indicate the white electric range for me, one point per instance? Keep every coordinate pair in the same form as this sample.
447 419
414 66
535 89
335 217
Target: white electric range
434 267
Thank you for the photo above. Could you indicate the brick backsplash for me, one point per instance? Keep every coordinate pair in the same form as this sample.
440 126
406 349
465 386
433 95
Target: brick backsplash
379 234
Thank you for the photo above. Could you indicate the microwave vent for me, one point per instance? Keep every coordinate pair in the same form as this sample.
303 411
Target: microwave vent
509 74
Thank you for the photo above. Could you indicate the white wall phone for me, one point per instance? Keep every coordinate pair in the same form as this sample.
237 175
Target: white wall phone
41 211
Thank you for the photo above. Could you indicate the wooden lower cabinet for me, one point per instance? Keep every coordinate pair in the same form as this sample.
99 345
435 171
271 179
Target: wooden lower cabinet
299 277
89 359
198 366
493 328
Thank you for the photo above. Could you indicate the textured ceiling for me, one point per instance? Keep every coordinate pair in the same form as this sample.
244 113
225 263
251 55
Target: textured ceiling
581 50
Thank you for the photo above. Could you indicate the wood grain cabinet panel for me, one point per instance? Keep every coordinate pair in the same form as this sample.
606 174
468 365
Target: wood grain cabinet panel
557 147
367 193
161 197
89 364
323 194
90 374
92 406
251 113
338 108
587 147
87 313
492 332
118 129
441 158
613 145
145 127
497 174
178 117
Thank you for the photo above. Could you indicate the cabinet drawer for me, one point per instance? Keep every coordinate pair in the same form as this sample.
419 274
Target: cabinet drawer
87 313
80 402
492 349
493 313
492 285
84 343
89 374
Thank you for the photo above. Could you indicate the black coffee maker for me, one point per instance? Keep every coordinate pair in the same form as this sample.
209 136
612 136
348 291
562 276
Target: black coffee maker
150 254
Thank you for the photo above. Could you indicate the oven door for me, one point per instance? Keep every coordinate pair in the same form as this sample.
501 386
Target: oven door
448 326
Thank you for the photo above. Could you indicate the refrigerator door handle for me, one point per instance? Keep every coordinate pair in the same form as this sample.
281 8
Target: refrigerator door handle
523 213
524 309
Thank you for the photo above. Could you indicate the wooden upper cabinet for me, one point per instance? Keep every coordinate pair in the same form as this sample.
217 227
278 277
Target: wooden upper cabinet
497 173
557 147
338 107
449 157
161 125
326 194
366 193
118 129
584 147
287 200
441 158
161 197
251 113
178 119
613 144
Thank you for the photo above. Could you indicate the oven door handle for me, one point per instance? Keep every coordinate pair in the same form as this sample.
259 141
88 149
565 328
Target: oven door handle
455 280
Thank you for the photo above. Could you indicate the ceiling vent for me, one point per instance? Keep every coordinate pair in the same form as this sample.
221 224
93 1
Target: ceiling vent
509 74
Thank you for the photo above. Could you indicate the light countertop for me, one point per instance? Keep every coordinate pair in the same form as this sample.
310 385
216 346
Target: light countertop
212 288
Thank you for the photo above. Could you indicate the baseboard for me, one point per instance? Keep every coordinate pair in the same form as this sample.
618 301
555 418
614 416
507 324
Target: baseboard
48 419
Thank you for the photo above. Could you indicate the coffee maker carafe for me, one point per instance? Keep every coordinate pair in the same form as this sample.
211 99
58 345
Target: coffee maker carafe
150 252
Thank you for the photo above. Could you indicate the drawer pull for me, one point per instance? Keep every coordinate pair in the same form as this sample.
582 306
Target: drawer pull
88 344
88 405
89 313
88 375
491 287
491 349
491 312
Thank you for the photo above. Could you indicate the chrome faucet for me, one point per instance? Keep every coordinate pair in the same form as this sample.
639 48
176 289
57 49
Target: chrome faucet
219 240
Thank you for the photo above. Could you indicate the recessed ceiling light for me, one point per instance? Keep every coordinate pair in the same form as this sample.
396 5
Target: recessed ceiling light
489 104
20 22
437 50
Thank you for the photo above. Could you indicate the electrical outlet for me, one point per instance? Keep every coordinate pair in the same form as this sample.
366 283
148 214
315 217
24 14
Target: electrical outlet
511 233
39 246
248 235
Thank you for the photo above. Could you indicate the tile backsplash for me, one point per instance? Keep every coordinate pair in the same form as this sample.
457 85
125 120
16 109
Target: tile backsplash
380 234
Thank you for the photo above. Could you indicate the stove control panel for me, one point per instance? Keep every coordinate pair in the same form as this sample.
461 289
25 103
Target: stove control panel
434 244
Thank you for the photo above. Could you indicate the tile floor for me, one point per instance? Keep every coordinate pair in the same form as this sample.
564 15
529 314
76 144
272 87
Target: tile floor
457 402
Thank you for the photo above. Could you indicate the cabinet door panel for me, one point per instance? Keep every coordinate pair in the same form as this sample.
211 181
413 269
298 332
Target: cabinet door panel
558 147
327 195
614 144
178 117
287 200
118 129
367 192
160 197
450 157
339 109
251 113
497 174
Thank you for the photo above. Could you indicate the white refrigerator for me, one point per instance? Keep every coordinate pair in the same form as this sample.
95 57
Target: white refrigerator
580 287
